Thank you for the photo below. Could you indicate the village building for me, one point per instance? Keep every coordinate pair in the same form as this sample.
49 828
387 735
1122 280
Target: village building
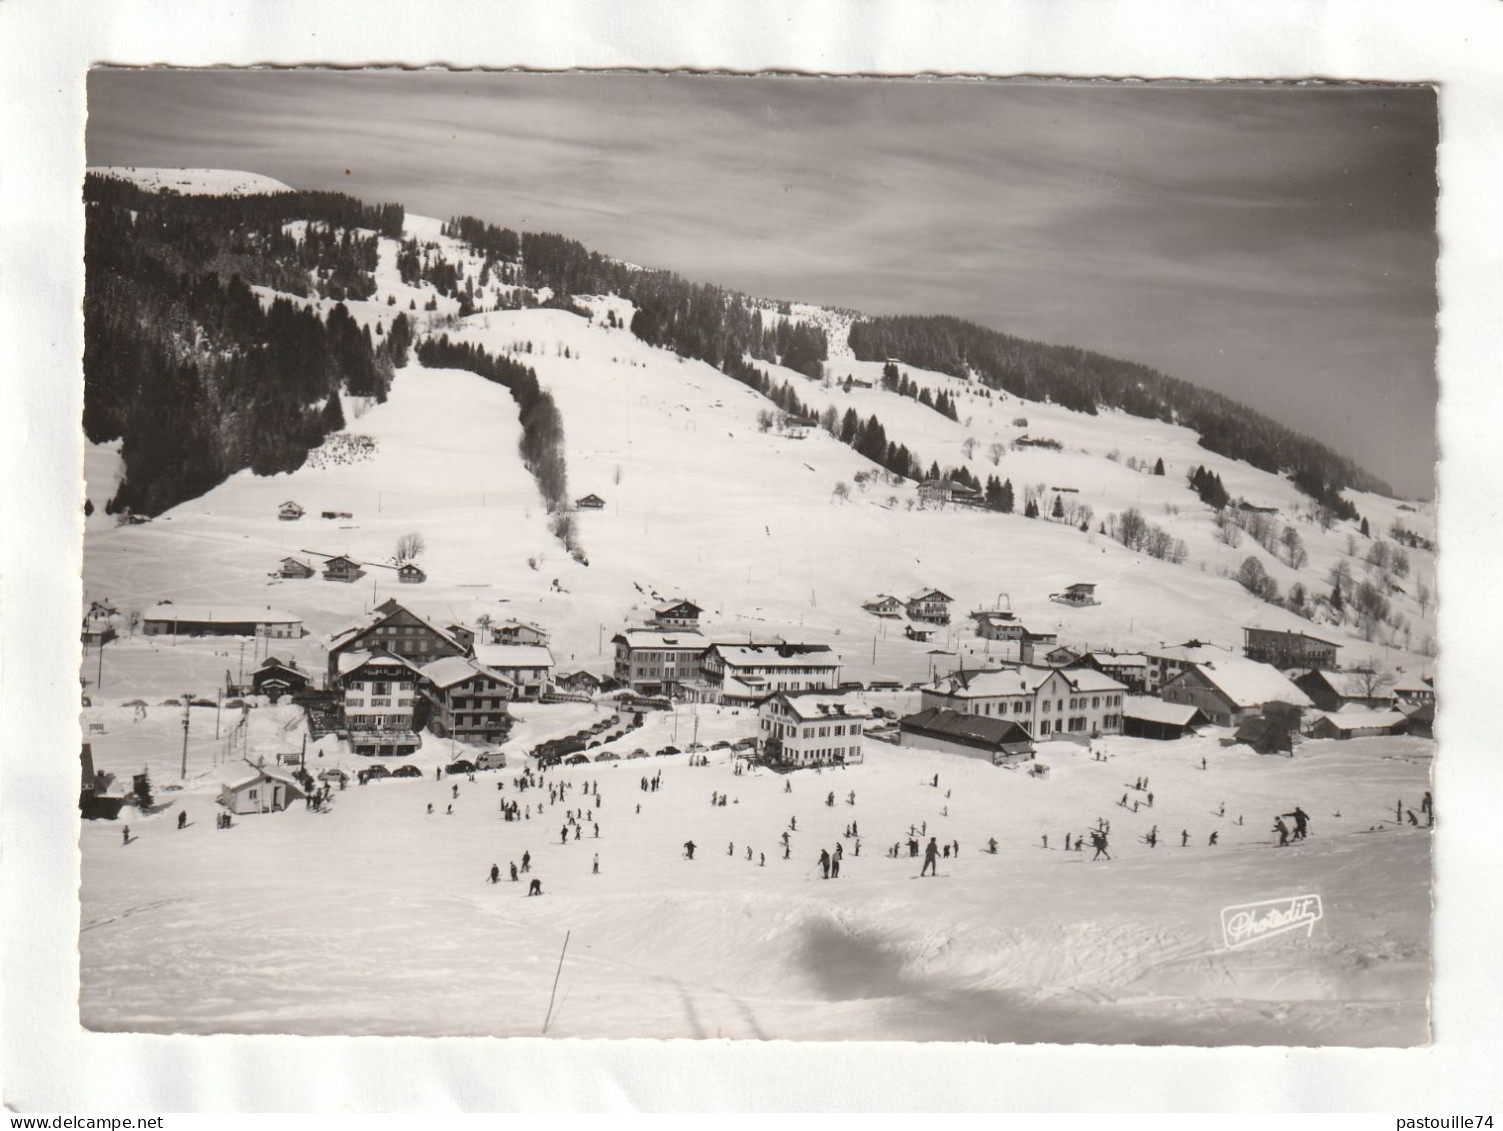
1333 690
1415 690
676 615
1168 660
1000 741
410 574
528 666
516 632
578 683
380 702
1004 627
657 663
260 791
590 503
1061 657
98 624
1048 702
395 629
1421 719
466 700
463 636
97 799
1285 649
1358 722
341 568
947 491
748 673
290 511
884 605
1130 668
276 678
811 728
1232 690
930 605
1078 595
1146 717
170 619
917 632
295 569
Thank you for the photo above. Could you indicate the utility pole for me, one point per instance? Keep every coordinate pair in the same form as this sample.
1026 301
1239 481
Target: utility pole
99 679
187 712
218 710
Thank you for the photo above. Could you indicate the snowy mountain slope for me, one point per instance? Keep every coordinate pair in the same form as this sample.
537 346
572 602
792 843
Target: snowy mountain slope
702 503
193 182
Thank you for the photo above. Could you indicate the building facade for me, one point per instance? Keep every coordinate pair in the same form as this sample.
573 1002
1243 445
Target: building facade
380 702
466 700
1284 649
657 663
395 629
1047 702
811 728
529 667
221 620
748 673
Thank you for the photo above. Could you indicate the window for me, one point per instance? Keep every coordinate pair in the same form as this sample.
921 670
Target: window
1095 700
382 687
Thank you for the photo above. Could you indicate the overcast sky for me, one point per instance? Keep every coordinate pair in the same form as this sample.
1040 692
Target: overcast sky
1276 244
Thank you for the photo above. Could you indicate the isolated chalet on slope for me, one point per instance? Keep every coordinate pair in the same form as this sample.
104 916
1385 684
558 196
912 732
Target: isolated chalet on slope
1230 691
220 620
931 605
1048 702
811 728
676 615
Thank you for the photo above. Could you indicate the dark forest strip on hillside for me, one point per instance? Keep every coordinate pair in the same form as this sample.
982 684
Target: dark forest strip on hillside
542 443
186 366
1085 381
707 323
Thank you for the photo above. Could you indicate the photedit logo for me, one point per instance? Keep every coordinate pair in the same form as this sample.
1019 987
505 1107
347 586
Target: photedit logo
1244 923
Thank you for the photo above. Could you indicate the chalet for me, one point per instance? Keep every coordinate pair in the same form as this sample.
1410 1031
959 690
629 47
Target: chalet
748 673
98 624
1421 719
466 700
657 663
290 511
1264 735
463 636
914 632
578 683
96 799
1130 668
341 568
516 632
1061 657
410 574
811 728
277 678
589 503
1168 660
528 666
677 614
1077 596
1357 723
1000 741
295 569
1047 702
1333 690
1415 691
883 605
380 702
1231 690
929 605
1284 649
395 629
220 620
1146 717
260 791
947 491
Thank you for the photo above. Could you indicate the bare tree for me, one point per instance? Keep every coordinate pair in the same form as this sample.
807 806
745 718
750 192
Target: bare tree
410 547
1294 548
1423 595
996 451
842 491
1370 678
968 448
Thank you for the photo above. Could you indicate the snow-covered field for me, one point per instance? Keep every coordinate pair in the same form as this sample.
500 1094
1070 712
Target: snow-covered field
377 918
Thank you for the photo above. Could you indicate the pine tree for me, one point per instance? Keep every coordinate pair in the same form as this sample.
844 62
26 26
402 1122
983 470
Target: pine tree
1031 510
1365 532
1158 467
1059 508
1007 497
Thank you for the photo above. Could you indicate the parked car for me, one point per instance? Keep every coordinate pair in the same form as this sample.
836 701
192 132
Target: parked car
490 760
721 745
577 759
637 754
407 772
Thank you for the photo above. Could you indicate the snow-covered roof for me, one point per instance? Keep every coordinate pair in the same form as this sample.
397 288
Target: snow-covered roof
221 614
811 705
1192 652
503 656
456 669
1248 683
381 613
1119 659
1360 719
1089 679
776 655
926 594
1023 679
1153 710
1411 683
685 638
262 774
350 661
942 720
